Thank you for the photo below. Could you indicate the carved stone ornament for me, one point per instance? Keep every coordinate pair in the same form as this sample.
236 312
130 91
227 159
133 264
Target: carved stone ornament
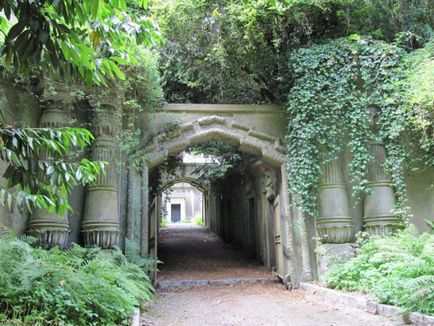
378 206
334 224
50 228
269 186
100 224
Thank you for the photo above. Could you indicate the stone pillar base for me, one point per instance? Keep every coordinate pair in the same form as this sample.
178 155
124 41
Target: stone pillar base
331 254
100 234
50 233
335 229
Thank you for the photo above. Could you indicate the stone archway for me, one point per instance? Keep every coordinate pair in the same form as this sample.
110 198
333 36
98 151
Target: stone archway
199 185
266 148
202 186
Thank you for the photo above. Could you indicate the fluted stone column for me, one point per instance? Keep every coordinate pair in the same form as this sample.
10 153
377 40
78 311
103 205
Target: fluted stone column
334 224
378 206
51 229
100 224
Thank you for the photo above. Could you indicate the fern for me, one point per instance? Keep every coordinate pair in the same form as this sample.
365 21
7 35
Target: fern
73 287
397 270
132 254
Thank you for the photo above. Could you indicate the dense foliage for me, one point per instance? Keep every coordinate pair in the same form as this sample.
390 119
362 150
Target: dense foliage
77 38
349 92
397 270
71 287
418 99
223 160
224 51
39 173
142 84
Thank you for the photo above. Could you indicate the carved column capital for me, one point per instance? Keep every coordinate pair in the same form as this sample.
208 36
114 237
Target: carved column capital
56 91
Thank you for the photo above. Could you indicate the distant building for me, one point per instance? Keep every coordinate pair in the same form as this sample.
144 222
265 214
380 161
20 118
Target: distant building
183 203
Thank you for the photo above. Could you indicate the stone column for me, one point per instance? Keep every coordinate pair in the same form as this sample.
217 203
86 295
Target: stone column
100 224
378 206
334 224
51 229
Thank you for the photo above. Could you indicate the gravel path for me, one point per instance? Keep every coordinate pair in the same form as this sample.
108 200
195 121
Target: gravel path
194 253
252 305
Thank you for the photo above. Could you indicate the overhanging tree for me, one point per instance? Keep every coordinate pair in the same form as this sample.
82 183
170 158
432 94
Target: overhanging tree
83 40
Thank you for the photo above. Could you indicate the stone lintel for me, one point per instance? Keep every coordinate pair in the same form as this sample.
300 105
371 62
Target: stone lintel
222 108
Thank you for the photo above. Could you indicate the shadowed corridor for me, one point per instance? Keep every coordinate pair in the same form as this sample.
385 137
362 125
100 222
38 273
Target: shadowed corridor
193 252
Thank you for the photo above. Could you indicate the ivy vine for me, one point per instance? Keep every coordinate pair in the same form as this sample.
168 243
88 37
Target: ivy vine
336 87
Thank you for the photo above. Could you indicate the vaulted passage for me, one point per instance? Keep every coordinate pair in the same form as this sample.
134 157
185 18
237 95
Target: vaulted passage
194 252
238 213
247 208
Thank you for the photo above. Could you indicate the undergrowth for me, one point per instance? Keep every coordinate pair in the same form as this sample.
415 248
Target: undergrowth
397 270
77 286
198 220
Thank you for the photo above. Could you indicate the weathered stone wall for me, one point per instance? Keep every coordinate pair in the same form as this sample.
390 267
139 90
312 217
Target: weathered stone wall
420 187
242 209
268 119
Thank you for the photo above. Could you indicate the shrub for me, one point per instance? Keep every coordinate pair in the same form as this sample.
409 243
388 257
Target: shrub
198 220
397 270
77 286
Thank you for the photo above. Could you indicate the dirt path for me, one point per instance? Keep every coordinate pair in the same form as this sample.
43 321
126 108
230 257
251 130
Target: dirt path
191 252
252 305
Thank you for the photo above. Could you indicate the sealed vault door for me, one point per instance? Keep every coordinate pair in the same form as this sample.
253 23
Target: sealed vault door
175 215
277 238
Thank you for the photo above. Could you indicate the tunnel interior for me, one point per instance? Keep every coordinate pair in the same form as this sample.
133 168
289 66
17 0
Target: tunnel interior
240 206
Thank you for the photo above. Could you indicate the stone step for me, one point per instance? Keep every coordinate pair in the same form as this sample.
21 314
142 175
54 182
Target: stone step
217 282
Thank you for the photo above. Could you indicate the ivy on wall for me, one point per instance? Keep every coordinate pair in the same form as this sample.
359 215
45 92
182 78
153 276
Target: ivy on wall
337 85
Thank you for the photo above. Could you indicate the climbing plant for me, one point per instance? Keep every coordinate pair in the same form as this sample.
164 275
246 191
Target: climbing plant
337 85
224 159
143 92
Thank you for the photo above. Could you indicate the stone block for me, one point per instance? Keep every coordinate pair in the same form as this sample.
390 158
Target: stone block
331 254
